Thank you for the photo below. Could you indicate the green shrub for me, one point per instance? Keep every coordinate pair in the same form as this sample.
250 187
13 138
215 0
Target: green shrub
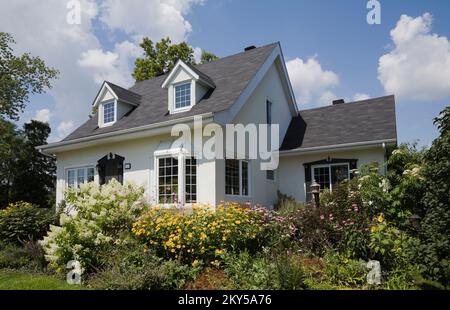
27 256
132 267
23 221
247 272
343 271
103 216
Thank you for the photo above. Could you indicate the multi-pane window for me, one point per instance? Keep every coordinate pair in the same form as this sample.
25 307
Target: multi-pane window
330 176
108 112
78 176
191 179
183 96
236 177
167 180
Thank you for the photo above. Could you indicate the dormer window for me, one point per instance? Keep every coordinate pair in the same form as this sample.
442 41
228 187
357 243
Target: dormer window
108 113
113 103
183 96
186 86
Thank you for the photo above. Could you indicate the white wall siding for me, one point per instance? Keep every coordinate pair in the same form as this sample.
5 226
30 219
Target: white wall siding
270 88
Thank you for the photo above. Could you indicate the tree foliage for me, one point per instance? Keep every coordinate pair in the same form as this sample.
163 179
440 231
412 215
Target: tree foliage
26 174
20 76
435 249
161 57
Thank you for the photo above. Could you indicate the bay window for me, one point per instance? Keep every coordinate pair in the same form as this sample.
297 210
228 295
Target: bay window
236 177
177 177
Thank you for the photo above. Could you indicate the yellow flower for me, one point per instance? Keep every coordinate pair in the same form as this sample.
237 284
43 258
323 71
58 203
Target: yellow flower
380 218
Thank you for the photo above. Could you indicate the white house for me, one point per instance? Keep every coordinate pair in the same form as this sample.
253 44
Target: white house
129 138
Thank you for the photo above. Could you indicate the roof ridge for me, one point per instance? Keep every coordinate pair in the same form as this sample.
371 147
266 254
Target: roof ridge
196 66
345 103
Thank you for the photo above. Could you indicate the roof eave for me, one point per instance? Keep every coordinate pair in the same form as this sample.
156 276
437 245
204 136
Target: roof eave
119 135
340 147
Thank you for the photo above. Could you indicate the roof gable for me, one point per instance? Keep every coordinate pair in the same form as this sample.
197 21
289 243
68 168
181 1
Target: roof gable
118 93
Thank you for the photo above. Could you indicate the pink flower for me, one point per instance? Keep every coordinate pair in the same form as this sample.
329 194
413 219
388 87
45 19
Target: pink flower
322 217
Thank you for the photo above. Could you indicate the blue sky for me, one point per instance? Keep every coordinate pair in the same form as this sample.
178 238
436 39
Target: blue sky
330 49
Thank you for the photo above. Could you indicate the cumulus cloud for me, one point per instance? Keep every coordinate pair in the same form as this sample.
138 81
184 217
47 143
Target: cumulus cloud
78 54
360 96
111 66
311 83
42 115
154 18
418 66
65 128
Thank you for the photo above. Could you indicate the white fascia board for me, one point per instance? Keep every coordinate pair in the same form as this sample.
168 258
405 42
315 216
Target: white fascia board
172 73
339 147
101 91
121 135
227 116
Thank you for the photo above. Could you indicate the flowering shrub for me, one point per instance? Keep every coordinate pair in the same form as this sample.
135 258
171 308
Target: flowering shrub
22 221
103 216
201 234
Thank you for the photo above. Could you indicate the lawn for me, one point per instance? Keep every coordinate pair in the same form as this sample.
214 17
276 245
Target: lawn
17 280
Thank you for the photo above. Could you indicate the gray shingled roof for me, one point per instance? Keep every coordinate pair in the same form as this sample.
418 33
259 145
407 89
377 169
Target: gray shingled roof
125 94
230 75
360 121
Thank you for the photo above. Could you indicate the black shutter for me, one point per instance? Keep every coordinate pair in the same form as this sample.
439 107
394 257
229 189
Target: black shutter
353 165
308 181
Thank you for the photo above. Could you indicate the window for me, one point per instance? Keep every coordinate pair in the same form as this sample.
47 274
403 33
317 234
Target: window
78 176
269 112
236 177
182 96
168 180
108 112
270 175
191 179
328 176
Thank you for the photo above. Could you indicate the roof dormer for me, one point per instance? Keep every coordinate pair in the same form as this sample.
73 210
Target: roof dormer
186 86
113 102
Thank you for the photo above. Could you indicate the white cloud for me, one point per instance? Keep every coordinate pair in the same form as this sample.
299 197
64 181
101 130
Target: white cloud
197 53
311 83
65 128
418 66
41 28
43 115
153 18
111 66
360 96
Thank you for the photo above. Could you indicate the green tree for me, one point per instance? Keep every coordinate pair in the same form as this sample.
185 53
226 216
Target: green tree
20 76
207 57
26 174
161 57
435 237
10 146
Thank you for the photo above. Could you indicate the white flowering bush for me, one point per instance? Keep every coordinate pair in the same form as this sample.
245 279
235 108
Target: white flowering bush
103 217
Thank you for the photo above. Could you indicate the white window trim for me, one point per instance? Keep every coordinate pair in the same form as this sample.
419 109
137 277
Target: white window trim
329 171
240 180
181 156
192 95
103 124
85 167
